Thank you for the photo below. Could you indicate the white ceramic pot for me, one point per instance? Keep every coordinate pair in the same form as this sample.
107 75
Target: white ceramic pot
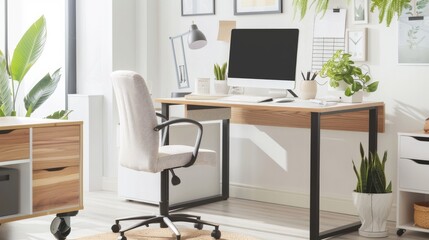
357 97
221 87
373 210
308 90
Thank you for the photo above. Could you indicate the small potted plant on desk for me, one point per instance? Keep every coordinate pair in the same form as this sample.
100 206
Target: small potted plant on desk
220 84
372 196
342 73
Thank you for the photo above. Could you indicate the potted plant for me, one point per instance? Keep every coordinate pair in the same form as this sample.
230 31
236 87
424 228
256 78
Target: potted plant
372 196
344 74
25 55
220 79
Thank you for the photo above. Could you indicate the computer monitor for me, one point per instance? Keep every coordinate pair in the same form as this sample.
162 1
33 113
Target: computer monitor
263 58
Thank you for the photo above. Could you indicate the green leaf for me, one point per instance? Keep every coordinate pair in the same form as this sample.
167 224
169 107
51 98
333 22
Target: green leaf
61 114
372 87
348 92
1 112
41 91
223 71
28 49
5 91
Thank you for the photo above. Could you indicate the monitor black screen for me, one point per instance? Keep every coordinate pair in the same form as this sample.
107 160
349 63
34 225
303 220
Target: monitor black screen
263 54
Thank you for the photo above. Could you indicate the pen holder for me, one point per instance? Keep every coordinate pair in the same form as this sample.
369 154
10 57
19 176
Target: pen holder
308 89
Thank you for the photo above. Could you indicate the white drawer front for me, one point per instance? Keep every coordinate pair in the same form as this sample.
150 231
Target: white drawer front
413 148
413 175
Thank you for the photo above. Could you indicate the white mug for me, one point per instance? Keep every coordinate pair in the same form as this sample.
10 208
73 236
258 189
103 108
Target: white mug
202 86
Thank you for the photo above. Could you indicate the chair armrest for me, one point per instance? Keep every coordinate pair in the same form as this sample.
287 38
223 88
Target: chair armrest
164 132
199 135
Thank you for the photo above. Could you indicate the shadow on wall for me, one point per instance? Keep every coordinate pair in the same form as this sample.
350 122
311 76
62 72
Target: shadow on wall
407 117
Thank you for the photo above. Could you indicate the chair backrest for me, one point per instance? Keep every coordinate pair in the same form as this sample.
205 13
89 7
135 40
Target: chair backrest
139 142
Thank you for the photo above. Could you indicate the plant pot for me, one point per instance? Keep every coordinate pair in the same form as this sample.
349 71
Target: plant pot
373 210
357 97
308 90
221 87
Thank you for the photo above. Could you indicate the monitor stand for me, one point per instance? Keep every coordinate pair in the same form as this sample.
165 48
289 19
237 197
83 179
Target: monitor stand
281 93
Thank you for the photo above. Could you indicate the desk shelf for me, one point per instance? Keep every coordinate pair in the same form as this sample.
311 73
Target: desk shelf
25 186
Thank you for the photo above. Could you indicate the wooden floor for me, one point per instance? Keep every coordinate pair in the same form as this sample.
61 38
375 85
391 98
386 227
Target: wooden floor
260 220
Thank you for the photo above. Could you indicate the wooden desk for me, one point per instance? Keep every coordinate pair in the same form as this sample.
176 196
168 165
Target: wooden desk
368 116
48 156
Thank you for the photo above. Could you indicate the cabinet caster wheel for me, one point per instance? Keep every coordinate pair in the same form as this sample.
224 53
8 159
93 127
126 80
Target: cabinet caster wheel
122 238
60 228
116 227
400 232
198 226
216 234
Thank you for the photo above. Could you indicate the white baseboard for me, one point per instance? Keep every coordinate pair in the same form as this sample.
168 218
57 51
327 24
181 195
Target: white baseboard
330 204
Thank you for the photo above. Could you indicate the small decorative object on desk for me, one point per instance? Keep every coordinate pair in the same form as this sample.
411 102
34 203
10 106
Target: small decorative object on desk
220 84
308 86
426 127
202 86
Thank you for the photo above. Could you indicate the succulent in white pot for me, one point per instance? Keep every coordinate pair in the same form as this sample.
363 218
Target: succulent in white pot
220 84
372 196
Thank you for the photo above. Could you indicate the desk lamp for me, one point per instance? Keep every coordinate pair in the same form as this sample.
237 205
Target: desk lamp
196 40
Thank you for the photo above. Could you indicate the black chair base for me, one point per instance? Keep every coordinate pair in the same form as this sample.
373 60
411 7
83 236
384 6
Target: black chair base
166 221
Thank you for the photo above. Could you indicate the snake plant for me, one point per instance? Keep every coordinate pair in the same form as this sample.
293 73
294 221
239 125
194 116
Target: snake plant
220 72
27 52
371 177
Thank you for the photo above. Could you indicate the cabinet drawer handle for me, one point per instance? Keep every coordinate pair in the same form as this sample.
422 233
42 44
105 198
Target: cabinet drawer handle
55 169
5 131
422 139
4 178
422 162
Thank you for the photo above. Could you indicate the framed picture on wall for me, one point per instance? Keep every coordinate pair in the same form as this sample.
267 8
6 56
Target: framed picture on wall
198 7
360 11
356 44
243 7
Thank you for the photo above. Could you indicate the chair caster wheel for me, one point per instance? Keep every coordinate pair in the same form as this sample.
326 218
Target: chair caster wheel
216 234
400 232
60 228
198 226
116 227
122 238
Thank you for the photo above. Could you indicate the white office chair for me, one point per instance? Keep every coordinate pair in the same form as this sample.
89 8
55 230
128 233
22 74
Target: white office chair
140 150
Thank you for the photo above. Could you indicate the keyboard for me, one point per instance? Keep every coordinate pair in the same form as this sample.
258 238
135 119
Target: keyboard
246 98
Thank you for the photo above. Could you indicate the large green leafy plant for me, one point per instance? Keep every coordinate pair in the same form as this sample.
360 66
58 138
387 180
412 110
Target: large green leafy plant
371 177
387 8
339 68
25 55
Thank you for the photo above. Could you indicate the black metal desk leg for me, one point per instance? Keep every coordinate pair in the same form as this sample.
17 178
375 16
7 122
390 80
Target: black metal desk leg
165 110
315 176
225 159
373 130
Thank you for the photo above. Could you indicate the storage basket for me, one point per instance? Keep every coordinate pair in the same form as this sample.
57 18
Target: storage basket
421 214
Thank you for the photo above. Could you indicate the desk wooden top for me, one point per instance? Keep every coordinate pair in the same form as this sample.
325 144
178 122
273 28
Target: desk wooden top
345 116
295 106
26 122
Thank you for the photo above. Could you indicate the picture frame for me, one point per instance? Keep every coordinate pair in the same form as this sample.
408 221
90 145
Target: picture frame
248 7
356 44
360 11
198 7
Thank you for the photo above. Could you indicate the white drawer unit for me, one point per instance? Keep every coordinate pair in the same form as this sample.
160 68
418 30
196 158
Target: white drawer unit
413 178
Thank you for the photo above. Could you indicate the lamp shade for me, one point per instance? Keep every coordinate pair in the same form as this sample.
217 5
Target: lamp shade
196 38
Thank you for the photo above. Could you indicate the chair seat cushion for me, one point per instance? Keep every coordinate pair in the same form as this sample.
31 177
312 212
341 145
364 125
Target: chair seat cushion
171 156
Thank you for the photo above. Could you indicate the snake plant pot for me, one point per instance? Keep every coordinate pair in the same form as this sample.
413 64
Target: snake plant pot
221 87
373 210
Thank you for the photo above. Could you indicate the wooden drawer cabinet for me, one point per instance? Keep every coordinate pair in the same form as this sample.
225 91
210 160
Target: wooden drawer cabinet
55 147
14 144
48 156
56 188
